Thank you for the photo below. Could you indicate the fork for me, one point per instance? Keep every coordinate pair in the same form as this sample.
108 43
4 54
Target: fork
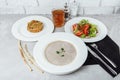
110 61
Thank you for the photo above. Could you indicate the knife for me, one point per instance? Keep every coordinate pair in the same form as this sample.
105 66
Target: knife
110 61
95 55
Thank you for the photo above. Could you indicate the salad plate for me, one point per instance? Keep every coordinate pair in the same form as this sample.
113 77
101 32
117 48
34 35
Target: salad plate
20 31
43 63
86 28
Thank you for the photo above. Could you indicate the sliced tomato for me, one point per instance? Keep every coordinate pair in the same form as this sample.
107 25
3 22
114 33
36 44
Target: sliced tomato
86 29
78 33
74 27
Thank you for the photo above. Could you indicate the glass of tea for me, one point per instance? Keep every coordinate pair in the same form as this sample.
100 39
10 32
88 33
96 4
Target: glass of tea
58 16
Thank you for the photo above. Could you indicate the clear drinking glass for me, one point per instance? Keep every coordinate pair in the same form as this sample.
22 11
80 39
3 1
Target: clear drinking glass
58 16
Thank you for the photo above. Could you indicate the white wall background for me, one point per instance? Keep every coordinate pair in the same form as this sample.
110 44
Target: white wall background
45 6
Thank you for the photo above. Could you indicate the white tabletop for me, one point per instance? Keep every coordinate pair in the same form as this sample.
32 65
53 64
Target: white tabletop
12 66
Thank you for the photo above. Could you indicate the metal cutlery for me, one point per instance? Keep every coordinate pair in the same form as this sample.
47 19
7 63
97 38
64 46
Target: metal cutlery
110 61
95 55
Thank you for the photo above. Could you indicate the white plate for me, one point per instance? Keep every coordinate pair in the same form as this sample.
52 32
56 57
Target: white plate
19 29
102 30
59 70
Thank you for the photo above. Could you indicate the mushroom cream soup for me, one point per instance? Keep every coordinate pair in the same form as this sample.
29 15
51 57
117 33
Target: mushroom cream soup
60 53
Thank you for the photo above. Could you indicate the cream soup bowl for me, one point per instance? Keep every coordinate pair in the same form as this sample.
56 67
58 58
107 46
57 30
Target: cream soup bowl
44 64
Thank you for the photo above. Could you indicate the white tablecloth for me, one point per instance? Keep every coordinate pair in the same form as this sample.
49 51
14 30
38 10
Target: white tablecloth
12 66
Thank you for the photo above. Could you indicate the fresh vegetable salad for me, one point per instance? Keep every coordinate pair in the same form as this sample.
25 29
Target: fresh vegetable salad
85 29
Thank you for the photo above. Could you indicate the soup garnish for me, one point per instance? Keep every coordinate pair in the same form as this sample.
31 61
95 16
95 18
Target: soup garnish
60 53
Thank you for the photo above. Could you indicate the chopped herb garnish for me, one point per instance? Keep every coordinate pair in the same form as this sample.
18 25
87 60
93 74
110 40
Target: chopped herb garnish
57 52
62 49
61 52
62 55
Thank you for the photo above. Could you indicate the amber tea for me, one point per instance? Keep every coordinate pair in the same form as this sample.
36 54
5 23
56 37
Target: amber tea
58 17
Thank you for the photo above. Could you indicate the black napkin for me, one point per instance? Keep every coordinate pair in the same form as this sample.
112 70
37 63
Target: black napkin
110 49
90 60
